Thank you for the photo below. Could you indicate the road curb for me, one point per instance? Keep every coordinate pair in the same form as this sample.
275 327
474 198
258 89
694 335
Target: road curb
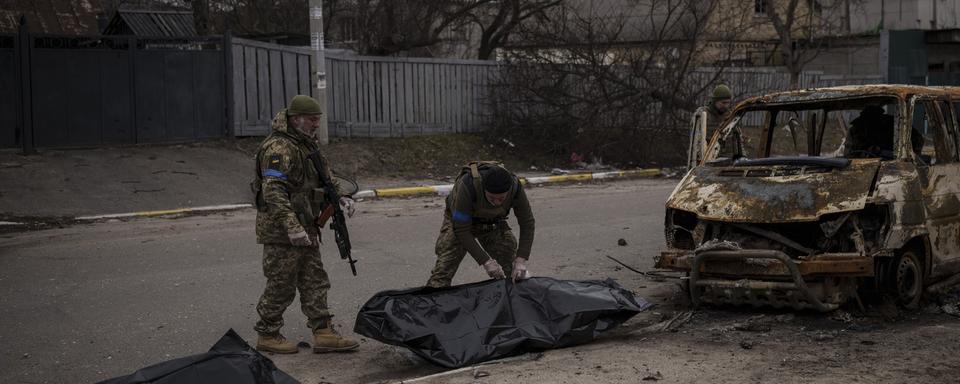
166 212
383 193
445 188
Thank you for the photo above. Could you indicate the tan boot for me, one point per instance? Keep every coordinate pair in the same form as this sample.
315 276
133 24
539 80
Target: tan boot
328 340
276 343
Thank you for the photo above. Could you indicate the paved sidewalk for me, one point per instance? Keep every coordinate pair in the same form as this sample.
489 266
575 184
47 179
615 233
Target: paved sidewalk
67 183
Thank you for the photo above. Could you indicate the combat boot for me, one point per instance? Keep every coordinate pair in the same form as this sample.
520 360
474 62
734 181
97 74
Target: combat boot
276 343
328 340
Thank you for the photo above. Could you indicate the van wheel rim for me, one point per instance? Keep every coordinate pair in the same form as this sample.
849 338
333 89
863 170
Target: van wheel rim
908 280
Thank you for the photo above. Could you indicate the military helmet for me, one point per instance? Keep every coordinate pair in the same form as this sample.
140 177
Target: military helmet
722 92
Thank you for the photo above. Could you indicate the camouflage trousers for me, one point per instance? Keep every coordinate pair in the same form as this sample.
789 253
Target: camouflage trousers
289 269
497 240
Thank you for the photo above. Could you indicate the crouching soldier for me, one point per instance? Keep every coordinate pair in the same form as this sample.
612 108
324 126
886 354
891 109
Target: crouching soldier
288 203
475 222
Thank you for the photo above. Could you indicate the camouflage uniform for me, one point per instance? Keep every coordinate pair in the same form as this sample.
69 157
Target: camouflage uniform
288 201
472 225
714 118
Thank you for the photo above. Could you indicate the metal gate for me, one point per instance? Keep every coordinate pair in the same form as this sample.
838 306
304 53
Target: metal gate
99 90
9 98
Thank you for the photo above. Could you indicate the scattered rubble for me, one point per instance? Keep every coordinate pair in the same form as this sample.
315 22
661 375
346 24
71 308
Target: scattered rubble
656 376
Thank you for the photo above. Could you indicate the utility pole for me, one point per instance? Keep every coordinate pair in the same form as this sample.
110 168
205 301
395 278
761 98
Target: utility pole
319 71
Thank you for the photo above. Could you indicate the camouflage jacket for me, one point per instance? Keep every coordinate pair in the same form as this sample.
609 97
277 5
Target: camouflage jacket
714 118
290 195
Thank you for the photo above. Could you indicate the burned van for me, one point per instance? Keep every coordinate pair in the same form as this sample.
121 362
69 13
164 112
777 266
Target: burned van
806 199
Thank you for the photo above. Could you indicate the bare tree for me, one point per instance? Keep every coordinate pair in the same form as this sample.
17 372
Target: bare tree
805 29
502 18
393 26
616 84
201 16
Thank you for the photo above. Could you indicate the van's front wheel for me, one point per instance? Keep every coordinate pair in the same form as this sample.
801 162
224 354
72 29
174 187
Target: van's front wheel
907 279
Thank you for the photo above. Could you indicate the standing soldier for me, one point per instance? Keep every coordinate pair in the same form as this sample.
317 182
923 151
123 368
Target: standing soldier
706 120
475 221
289 199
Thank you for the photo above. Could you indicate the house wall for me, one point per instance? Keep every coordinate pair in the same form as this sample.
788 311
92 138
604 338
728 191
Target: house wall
871 15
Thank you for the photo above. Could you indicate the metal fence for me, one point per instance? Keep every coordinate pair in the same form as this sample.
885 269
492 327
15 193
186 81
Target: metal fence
70 91
9 99
366 96
393 97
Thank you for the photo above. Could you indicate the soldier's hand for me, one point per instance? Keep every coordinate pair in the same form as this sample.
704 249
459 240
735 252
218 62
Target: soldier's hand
301 239
494 270
520 269
349 205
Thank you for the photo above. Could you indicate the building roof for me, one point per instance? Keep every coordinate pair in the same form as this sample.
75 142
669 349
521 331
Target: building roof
151 23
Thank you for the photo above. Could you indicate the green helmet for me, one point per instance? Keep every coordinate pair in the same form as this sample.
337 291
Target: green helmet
304 105
722 92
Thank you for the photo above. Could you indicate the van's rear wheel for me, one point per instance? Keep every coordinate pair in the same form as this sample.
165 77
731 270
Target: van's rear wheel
907 279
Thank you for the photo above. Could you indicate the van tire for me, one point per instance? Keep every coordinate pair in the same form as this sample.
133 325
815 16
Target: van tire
907 279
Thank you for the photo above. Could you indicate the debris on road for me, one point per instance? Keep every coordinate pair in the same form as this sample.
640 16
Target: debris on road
754 324
656 376
670 325
841 316
622 242
467 324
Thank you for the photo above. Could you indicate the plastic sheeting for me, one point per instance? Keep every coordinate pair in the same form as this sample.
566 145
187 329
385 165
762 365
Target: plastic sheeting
468 324
230 361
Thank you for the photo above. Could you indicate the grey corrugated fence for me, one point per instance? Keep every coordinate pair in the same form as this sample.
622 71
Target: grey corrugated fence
366 96
393 97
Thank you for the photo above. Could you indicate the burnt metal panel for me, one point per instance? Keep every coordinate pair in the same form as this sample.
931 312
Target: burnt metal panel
713 195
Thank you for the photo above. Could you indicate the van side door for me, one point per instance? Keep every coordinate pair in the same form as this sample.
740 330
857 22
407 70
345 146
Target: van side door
939 170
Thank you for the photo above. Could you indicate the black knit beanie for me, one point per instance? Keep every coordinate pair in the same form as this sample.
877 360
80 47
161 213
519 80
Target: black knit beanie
497 180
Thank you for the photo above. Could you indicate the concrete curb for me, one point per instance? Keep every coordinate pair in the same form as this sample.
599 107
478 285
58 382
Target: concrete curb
178 211
445 188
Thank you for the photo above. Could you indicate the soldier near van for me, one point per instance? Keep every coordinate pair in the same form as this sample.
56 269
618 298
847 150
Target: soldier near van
706 121
475 222
289 199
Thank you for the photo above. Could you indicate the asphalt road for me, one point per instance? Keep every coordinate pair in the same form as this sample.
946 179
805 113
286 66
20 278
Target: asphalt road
91 302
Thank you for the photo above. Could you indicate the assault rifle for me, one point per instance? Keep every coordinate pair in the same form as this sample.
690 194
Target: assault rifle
333 210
